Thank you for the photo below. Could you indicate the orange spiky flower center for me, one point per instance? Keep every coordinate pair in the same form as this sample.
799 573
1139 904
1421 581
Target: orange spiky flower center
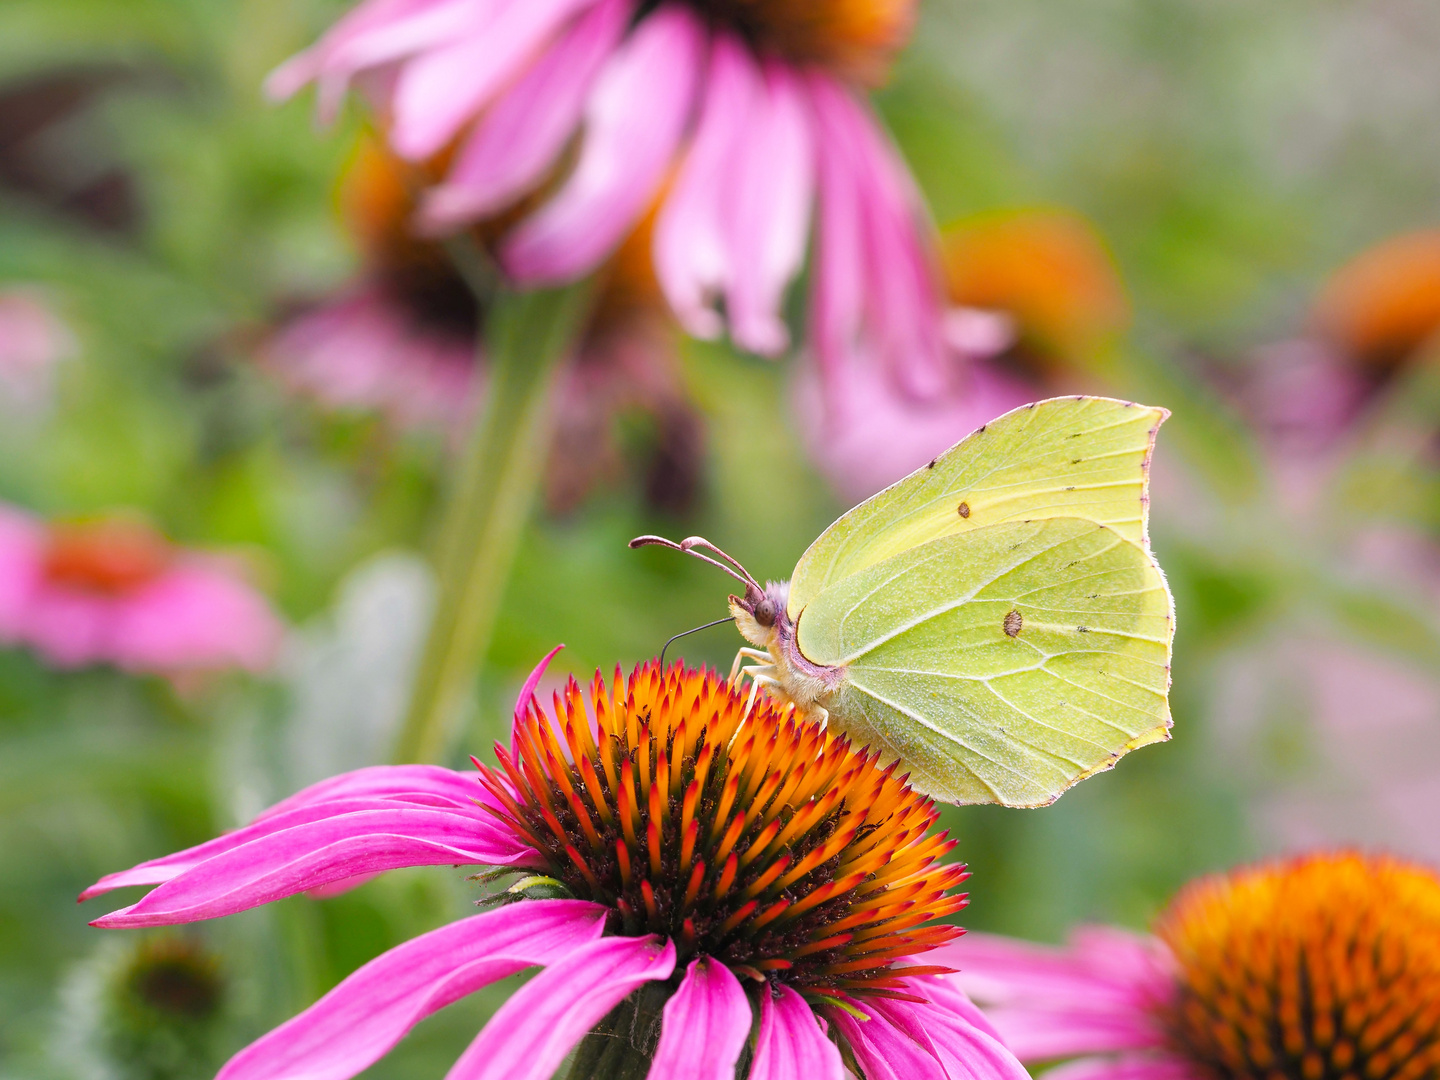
855 39
109 556
759 840
1323 968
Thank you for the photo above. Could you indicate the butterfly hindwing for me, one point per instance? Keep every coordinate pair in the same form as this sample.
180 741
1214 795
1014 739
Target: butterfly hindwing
1083 457
1000 664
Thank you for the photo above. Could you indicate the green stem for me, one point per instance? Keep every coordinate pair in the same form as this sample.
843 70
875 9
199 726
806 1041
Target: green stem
527 336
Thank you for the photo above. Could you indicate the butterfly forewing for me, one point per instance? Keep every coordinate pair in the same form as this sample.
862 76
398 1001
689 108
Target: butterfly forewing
1083 457
1002 664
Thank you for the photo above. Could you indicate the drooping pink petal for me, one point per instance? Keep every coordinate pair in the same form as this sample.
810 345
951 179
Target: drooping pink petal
769 220
316 853
519 138
966 1051
791 1044
709 1010
355 1024
884 1051
527 692
438 92
530 1034
634 119
374 33
692 257
737 221
876 296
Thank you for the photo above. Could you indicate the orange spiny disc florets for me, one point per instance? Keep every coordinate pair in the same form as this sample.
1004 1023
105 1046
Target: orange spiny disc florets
1323 968
762 841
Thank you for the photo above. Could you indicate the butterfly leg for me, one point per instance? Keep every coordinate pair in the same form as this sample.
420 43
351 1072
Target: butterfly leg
746 654
758 678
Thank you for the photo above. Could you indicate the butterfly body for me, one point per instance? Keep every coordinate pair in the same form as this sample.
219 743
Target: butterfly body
994 621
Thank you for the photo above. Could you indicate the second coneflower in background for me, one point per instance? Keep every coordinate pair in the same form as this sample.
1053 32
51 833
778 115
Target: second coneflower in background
745 119
113 591
708 888
1324 967
402 340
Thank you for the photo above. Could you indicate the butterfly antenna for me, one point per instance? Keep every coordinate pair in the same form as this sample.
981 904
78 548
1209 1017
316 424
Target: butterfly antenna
686 633
689 546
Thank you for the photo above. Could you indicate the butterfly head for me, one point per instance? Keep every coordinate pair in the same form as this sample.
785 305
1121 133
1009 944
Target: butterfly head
760 611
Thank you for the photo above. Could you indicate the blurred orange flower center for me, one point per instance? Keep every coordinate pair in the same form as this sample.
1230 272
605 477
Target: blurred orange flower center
108 557
1325 968
854 38
761 841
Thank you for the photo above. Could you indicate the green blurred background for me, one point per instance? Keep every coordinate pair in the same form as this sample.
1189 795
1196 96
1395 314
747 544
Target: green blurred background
1232 156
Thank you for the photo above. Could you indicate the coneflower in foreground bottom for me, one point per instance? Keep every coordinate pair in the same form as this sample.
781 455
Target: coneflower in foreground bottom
723 895
1325 967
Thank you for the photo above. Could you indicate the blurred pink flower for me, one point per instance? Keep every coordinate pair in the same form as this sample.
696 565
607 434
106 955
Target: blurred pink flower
113 591
33 339
402 341
740 119
732 955
1324 965
1036 300
364 352
870 434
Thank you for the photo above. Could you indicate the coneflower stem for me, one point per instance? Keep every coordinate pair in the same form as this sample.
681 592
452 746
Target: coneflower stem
622 1045
527 337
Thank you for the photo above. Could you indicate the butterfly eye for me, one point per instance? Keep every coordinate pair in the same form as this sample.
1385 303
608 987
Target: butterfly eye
765 612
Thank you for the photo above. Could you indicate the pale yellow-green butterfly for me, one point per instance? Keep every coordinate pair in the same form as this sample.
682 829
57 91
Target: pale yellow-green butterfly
995 620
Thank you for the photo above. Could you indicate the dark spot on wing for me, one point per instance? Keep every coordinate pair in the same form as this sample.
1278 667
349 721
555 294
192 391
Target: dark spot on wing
963 509
1083 629
932 463
1013 623
1076 461
1070 488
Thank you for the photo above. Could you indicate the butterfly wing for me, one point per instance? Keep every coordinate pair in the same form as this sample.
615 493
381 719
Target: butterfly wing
1001 664
1083 457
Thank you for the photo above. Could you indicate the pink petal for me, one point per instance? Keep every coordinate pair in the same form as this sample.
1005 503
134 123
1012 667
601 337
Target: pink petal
634 119
791 1044
692 257
770 215
519 138
22 540
876 296
530 1034
406 783
709 1010
198 615
527 692
440 90
374 33
1096 996
884 1051
316 853
160 870
737 221
355 1024
968 1052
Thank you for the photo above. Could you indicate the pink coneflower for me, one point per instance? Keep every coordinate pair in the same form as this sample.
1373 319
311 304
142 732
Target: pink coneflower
1324 967
113 591
723 888
1035 300
401 341
742 117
